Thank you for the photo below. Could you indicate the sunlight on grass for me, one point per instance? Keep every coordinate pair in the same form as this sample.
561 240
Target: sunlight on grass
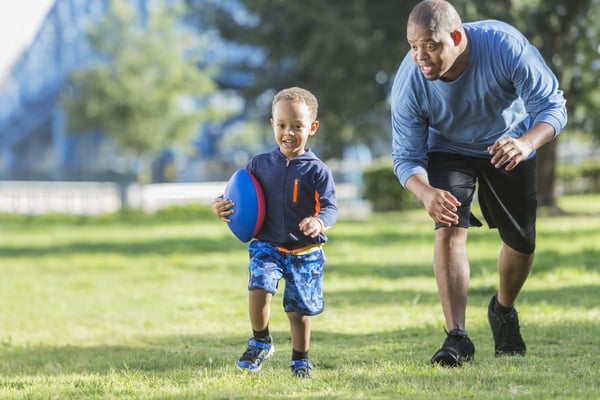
157 309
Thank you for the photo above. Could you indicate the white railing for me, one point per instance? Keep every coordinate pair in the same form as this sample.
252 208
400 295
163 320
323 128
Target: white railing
93 198
85 198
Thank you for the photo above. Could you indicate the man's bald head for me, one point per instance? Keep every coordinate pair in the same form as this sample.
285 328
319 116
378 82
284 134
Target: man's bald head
439 16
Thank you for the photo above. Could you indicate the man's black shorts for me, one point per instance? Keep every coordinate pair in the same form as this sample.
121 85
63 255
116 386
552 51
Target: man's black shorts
507 198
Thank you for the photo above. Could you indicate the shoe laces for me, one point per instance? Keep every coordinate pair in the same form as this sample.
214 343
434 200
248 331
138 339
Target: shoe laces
250 354
509 327
458 339
253 352
455 335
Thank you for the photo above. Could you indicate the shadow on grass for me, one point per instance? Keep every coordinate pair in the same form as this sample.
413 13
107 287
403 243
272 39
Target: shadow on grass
167 246
377 270
158 354
584 297
565 298
546 261
369 298
207 353
210 354
562 298
360 238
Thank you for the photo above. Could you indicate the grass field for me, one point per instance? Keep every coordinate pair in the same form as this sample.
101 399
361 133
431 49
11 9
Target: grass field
156 308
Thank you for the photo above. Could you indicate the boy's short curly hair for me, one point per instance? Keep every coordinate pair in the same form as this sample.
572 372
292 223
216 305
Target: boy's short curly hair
298 94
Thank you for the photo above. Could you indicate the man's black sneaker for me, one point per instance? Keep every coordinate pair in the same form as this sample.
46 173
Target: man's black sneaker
257 351
506 331
456 350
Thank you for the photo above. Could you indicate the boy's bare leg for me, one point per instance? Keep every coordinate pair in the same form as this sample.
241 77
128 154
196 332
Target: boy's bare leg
300 326
259 308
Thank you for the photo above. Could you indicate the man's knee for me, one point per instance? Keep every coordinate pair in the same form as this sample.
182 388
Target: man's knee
452 237
524 244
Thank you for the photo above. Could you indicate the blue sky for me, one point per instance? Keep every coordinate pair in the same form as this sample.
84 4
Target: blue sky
19 22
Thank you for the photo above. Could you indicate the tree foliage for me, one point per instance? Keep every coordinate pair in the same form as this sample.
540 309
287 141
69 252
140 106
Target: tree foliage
344 51
347 51
568 36
145 90
568 33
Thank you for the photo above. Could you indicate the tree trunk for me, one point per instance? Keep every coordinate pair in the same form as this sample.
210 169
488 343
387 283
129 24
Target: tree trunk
546 163
144 174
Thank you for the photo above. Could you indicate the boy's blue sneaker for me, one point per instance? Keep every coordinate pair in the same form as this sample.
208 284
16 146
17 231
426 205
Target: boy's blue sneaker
257 351
301 368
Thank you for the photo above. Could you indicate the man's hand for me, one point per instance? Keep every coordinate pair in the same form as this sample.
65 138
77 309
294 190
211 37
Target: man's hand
441 206
510 151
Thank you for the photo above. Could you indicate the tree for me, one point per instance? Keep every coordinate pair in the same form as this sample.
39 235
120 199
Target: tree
146 91
568 36
564 31
347 52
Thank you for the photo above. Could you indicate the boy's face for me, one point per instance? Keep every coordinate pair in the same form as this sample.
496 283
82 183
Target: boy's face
292 126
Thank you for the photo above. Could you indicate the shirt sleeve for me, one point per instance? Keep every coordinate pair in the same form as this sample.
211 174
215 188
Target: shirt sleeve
327 210
538 86
409 124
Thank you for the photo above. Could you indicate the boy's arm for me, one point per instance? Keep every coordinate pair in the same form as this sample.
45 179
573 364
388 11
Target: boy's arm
326 208
327 211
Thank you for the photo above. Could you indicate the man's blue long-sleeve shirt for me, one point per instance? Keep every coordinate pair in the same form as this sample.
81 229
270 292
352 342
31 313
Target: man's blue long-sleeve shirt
505 89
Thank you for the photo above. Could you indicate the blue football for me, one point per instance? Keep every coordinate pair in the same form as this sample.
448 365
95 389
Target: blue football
249 204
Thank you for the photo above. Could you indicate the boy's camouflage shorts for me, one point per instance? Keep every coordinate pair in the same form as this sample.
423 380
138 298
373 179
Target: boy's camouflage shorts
303 275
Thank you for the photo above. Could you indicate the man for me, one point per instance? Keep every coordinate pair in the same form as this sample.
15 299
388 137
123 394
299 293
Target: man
471 103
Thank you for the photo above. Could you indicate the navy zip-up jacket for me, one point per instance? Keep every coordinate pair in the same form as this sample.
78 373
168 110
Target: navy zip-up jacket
294 189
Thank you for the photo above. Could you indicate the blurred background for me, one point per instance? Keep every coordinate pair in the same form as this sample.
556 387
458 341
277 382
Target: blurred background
106 104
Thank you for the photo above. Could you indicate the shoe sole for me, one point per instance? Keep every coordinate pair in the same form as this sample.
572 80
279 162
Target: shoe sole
514 353
303 371
302 376
446 358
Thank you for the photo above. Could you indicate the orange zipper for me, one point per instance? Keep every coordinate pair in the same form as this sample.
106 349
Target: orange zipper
295 194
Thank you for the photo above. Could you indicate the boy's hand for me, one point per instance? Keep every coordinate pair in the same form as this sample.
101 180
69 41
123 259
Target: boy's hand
311 226
222 208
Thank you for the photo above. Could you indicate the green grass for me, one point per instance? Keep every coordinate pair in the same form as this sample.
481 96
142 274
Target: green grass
156 308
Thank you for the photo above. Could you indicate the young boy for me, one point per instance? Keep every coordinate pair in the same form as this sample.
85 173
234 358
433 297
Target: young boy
300 206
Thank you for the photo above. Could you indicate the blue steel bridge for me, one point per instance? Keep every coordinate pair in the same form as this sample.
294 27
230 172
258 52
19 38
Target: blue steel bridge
34 141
